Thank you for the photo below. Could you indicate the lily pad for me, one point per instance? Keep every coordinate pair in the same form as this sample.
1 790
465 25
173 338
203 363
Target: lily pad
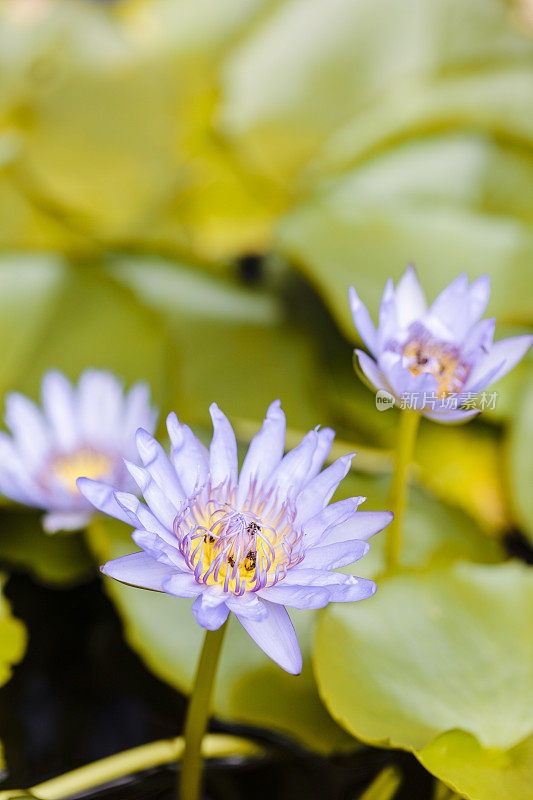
369 73
116 138
521 442
12 638
396 208
231 342
98 323
447 649
30 291
62 559
435 533
453 458
250 688
480 773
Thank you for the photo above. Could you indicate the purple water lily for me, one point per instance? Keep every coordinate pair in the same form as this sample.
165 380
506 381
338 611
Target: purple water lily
251 543
86 429
438 358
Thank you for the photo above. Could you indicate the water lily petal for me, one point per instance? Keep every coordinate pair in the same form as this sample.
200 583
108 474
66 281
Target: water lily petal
330 516
138 569
29 428
276 637
321 489
373 374
210 612
503 356
295 596
294 467
363 321
335 555
361 525
102 496
158 464
66 521
265 450
188 455
59 403
410 298
223 451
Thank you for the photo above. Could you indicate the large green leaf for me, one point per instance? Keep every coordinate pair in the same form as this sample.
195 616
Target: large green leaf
12 638
250 688
398 208
30 288
194 125
232 344
433 652
12 645
370 71
429 653
521 442
61 559
480 773
71 317
115 137
464 467
434 533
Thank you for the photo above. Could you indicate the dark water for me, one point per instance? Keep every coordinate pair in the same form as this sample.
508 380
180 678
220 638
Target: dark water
81 694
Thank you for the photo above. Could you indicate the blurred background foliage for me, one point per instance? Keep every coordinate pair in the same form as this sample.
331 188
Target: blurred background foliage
187 188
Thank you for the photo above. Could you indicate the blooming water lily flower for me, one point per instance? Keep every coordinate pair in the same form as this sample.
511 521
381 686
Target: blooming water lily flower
434 359
86 429
251 543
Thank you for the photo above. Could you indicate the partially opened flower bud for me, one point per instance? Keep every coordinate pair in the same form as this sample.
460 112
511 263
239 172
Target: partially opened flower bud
434 360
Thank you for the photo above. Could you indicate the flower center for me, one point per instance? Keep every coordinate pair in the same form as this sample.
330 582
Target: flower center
238 549
85 462
441 359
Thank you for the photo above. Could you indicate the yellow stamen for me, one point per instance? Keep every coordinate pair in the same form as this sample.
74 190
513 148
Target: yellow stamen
85 462
441 360
237 549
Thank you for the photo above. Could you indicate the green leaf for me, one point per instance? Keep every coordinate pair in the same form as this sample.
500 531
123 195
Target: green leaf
401 207
463 465
434 533
61 559
82 318
431 652
521 442
116 129
12 638
30 289
250 688
480 773
232 344
370 73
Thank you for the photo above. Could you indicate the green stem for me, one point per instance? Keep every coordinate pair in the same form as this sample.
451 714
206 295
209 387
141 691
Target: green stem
409 421
198 714
128 762
384 786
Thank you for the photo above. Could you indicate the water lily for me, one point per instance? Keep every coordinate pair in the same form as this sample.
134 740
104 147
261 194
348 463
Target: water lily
250 543
86 429
434 359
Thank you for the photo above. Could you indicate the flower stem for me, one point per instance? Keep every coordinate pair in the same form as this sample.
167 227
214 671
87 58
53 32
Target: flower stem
409 421
198 714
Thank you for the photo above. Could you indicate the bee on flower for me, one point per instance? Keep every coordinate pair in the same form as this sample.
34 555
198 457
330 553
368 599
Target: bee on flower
248 542
86 429
425 356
